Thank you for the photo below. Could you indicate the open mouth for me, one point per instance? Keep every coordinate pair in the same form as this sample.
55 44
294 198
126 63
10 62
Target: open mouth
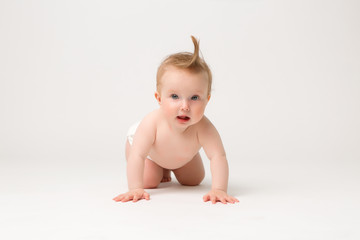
183 118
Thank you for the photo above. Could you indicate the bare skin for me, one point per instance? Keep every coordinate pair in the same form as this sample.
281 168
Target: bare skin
166 176
172 136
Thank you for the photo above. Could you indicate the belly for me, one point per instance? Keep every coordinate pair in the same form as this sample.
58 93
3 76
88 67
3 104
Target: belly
173 159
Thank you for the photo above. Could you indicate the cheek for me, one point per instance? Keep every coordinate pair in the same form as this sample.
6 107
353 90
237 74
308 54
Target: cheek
199 109
170 107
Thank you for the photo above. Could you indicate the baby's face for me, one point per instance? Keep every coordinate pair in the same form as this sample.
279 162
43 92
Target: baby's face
183 96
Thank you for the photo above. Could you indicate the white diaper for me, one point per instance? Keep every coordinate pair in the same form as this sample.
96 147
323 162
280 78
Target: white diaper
131 133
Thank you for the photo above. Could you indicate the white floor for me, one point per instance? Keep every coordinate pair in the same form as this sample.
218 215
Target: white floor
69 201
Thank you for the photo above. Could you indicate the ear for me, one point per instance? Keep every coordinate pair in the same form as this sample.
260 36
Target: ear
158 97
209 97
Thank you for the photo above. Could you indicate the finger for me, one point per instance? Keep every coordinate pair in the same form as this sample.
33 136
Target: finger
223 200
146 196
136 198
213 199
125 199
206 198
230 200
118 198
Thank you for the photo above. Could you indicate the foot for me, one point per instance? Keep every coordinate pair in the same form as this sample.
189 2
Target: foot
166 176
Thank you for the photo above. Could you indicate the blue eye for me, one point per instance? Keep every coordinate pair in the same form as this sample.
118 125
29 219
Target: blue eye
195 98
174 96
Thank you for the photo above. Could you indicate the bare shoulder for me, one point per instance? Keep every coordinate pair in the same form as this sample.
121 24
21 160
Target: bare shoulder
209 138
151 118
205 125
145 135
206 130
148 124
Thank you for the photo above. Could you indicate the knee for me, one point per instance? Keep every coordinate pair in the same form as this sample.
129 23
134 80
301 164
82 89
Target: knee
192 181
151 183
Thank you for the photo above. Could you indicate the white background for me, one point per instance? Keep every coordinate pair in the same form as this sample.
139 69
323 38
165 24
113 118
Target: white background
74 75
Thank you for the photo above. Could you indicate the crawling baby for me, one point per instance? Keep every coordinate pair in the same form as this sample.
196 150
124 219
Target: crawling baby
169 138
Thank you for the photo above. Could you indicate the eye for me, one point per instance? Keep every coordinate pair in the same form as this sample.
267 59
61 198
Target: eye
174 96
194 98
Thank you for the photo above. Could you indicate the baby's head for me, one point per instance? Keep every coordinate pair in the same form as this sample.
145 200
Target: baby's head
183 87
191 62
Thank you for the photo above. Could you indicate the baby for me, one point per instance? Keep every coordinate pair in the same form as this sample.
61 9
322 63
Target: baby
169 138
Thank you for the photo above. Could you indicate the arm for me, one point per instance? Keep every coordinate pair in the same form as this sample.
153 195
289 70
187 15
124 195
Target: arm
210 140
143 140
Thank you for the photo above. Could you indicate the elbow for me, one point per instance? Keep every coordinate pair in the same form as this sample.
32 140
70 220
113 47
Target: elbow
218 157
133 156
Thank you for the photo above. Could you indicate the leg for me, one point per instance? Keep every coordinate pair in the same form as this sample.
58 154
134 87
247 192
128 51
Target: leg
166 176
153 173
192 173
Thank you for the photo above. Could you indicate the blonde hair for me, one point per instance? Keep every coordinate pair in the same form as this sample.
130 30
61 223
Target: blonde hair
185 60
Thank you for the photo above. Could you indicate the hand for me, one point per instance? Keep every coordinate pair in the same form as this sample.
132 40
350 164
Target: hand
134 195
216 195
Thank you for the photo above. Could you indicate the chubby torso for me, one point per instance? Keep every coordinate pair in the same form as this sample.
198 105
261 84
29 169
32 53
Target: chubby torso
173 149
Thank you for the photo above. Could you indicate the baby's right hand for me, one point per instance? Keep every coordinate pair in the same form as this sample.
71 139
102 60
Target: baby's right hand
134 195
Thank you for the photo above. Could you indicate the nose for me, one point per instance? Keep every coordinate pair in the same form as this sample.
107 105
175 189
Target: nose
185 105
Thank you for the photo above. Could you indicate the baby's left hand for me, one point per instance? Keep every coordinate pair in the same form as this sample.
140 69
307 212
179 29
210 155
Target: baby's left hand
219 196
